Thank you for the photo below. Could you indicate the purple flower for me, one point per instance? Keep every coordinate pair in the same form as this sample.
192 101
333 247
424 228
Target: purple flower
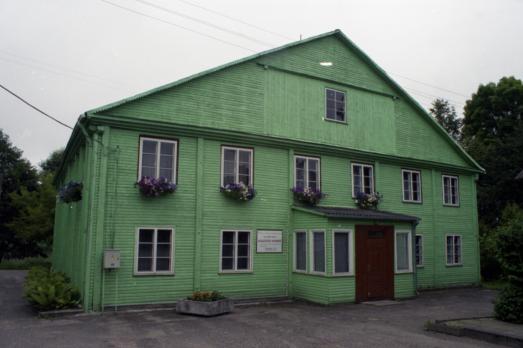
238 191
152 187
309 196
368 200
71 192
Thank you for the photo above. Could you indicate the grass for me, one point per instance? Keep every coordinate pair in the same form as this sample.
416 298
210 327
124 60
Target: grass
494 284
26 263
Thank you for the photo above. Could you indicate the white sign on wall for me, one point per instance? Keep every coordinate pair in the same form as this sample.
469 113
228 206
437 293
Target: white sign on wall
269 242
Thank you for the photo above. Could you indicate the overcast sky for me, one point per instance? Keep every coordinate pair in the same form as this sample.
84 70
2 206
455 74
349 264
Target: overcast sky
67 57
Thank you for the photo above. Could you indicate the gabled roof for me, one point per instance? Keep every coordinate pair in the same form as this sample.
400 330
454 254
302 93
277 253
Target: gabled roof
337 33
358 214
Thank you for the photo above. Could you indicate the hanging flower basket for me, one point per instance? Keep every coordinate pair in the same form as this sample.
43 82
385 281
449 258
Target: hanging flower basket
71 192
307 195
368 201
239 192
152 187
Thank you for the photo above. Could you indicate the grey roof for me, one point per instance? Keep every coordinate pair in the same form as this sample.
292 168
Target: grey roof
359 214
520 175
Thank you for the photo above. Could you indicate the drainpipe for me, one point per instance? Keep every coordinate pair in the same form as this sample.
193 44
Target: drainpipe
414 268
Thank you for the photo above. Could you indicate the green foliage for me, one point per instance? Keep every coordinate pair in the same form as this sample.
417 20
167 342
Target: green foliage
490 266
52 163
509 304
48 290
446 116
206 296
26 263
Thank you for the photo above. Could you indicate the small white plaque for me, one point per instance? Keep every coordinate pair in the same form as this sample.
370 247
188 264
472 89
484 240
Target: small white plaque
269 242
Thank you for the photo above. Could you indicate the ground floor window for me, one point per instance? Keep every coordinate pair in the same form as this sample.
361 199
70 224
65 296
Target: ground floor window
318 252
418 248
154 250
403 252
300 251
235 251
342 249
453 249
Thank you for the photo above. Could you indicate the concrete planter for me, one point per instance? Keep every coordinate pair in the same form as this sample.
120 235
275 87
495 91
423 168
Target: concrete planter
205 309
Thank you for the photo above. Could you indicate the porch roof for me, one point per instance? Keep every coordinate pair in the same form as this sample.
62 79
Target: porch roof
357 214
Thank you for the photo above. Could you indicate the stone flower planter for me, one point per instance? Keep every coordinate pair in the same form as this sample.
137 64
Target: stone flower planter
205 308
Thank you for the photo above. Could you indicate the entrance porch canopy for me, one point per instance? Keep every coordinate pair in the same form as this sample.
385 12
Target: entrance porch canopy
357 214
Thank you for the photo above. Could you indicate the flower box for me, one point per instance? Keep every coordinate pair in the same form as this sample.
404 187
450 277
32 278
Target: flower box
152 187
238 192
205 308
71 192
307 195
368 200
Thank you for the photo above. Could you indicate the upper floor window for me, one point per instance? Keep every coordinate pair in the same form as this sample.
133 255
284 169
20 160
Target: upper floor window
411 186
236 166
362 178
307 172
154 250
453 251
158 158
450 190
334 105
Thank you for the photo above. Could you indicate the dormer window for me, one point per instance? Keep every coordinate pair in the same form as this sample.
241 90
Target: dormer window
334 105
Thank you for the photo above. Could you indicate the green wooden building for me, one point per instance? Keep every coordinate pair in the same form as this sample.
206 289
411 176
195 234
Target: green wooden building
315 114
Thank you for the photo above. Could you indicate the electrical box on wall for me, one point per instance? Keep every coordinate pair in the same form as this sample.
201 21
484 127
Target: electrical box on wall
111 258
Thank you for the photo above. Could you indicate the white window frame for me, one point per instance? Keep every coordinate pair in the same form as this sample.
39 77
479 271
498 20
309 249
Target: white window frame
344 108
411 191
409 251
311 251
235 254
237 160
155 235
453 235
158 151
422 247
294 249
306 173
352 258
450 190
362 165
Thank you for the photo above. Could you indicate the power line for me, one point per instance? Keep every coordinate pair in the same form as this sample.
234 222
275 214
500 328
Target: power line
176 25
34 107
429 85
235 19
212 25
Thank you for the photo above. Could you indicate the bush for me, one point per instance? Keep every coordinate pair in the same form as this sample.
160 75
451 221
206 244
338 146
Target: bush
490 266
509 304
47 290
26 263
206 296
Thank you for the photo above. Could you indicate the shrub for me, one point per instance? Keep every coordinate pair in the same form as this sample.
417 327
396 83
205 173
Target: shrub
490 266
47 290
206 296
509 304
26 263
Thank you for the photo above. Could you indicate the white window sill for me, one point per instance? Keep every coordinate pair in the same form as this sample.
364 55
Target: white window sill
141 274
236 272
345 274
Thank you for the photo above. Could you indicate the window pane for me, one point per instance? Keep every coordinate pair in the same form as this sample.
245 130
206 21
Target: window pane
356 179
446 190
402 250
245 179
145 264
243 250
242 263
419 250
243 237
167 149
301 251
228 250
300 163
228 179
166 161
163 250
341 252
166 173
164 236
450 250
457 249
313 185
229 155
149 146
145 250
163 264
146 236
406 186
319 251
227 263
245 156
228 237
148 160
330 93
148 171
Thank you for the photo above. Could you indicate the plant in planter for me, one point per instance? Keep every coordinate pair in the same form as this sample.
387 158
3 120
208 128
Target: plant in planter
307 195
368 200
239 192
71 192
205 303
152 187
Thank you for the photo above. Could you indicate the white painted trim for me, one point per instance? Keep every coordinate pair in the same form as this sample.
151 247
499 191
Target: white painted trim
306 170
422 264
409 251
234 254
325 106
158 151
411 188
294 252
136 248
443 176
460 249
237 161
352 258
362 165
311 251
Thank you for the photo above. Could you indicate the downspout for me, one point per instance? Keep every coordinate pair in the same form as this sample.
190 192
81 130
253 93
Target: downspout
414 267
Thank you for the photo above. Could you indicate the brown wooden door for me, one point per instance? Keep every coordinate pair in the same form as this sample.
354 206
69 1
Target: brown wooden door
374 262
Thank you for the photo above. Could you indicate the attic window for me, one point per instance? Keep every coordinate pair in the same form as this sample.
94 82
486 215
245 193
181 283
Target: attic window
334 105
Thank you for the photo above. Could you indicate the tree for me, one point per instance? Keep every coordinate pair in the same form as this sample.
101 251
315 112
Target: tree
446 116
493 134
52 163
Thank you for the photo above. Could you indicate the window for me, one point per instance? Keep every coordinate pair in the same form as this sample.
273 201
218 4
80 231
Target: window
300 251
403 251
334 105
307 172
157 158
418 250
235 251
362 178
318 252
450 190
411 186
342 249
154 250
236 166
453 250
